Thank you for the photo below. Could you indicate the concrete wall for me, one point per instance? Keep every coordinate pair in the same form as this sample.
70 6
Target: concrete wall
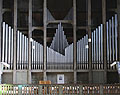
36 77
21 77
82 77
68 77
112 77
7 78
98 77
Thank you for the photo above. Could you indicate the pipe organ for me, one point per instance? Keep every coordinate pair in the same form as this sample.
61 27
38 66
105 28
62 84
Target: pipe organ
7 45
37 55
97 46
60 53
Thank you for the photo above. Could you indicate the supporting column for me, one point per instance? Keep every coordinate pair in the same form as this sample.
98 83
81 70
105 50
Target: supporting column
104 39
74 41
0 33
0 26
118 12
45 42
89 43
29 42
15 42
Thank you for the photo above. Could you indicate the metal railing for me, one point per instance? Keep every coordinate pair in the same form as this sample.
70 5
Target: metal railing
54 89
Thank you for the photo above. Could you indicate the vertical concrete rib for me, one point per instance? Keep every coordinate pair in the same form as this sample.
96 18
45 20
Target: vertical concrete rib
45 42
74 41
104 39
89 43
118 12
15 42
29 43
0 27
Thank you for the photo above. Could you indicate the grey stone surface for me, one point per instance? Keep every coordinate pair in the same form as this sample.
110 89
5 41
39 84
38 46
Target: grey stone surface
82 77
36 77
7 78
21 77
98 77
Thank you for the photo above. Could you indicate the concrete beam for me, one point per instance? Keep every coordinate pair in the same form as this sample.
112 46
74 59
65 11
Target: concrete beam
37 28
90 44
58 21
29 43
15 41
45 35
0 27
104 39
74 41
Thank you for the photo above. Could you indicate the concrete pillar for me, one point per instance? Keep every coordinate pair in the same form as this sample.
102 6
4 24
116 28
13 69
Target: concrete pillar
104 39
29 43
45 42
0 26
15 41
118 12
74 41
89 43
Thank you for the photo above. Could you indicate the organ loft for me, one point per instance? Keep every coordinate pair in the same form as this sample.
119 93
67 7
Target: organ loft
63 41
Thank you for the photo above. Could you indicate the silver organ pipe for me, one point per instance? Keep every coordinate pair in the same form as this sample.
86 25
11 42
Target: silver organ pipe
3 43
113 37
18 40
25 61
11 48
27 51
96 45
110 39
107 42
35 54
80 51
88 47
84 49
48 53
42 53
99 39
6 44
116 26
38 55
22 51
92 47
32 53
101 43
77 52
9 43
